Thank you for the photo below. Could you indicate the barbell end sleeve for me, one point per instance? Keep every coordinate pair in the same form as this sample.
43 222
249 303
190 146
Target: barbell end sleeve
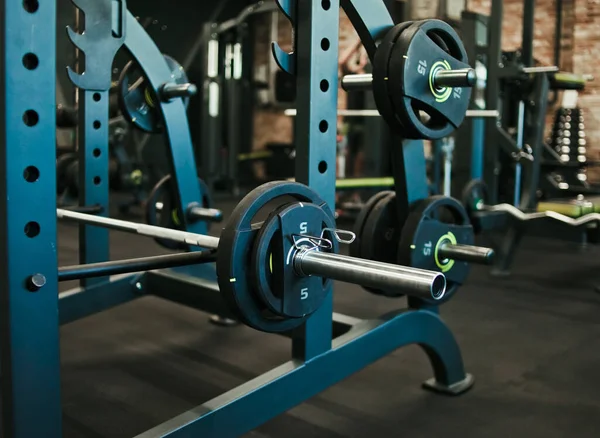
173 91
467 253
199 213
357 82
384 276
461 78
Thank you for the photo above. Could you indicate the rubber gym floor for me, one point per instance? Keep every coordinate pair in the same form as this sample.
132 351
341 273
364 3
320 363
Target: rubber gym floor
530 340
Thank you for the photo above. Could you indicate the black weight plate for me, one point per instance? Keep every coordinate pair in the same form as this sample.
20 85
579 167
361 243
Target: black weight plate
72 178
170 217
379 231
425 229
474 198
423 48
474 195
234 255
381 92
355 247
381 235
266 283
62 166
274 277
139 102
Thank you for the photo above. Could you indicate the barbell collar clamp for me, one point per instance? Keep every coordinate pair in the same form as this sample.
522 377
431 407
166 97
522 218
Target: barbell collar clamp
384 276
411 281
467 253
172 91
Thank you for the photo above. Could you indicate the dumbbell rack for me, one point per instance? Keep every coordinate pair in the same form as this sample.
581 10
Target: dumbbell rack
30 337
566 161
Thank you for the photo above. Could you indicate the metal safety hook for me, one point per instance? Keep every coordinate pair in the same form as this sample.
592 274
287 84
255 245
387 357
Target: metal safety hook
351 237
300 241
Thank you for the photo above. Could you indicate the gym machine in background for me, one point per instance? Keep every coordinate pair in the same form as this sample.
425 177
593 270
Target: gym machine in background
234 88
277 253
513 170
229 96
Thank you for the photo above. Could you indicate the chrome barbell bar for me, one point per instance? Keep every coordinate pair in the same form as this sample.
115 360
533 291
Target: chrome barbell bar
306 262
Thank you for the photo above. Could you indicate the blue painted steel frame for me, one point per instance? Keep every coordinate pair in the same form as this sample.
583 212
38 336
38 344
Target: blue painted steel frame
183 162
320 361
30 385
78 303
29 336
477 151
252 404
315 136
103 294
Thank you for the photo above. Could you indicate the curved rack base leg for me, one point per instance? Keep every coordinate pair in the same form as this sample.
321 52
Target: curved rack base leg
456 388
437 340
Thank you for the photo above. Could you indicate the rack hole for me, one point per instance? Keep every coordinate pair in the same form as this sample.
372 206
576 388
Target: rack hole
31 6
31 118
322 167
97 152
97 180
326 4
32 229
324 85
325 44
97 97
97 124
31 174
30 61
323 126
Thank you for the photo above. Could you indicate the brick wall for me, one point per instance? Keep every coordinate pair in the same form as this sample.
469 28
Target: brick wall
580 54
512 25
580 48
586 60
270 125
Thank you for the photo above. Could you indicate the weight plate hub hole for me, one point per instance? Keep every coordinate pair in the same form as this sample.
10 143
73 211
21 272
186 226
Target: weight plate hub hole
432 224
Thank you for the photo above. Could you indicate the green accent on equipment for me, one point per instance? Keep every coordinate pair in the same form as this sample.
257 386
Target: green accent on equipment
362 183
445 264
257 155
570 207
444 93
175 217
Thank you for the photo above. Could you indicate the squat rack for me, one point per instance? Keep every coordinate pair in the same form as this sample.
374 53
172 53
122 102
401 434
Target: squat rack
30 306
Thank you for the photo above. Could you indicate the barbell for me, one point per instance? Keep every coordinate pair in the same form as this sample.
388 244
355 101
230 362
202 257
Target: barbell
274 272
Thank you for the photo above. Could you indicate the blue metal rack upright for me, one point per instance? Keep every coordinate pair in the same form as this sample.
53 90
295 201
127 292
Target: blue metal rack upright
31 311
315 132
29 334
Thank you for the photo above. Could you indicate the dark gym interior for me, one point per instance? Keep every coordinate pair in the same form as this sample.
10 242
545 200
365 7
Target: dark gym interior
324 218
528 340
